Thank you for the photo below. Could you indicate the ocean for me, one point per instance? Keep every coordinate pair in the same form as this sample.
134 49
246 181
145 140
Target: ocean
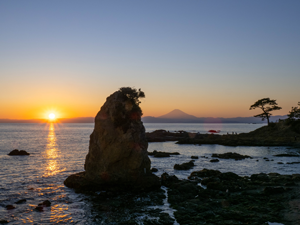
59 150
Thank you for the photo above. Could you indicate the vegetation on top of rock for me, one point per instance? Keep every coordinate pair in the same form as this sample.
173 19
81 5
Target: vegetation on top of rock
133 95
266 105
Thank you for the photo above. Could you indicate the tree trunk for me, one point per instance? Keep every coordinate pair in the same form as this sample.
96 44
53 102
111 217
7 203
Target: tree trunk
268 120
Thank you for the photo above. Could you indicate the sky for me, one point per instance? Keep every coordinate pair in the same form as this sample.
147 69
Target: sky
208 58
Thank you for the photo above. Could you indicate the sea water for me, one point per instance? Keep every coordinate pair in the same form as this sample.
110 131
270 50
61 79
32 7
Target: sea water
59 150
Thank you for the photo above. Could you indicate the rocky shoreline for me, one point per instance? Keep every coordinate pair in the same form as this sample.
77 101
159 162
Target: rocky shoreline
226 198
283 133
212 197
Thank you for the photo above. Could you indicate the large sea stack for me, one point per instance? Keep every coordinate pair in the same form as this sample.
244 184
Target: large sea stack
117 155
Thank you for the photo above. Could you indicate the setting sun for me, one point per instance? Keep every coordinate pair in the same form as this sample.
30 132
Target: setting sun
51 116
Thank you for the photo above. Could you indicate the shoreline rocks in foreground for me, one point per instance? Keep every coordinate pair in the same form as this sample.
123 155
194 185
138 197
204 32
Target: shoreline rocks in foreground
232 199
117 157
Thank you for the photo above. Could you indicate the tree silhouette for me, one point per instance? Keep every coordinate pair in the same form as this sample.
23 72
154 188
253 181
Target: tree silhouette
294 114
266 105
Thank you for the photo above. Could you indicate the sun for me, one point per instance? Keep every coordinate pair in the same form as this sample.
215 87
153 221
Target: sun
51 116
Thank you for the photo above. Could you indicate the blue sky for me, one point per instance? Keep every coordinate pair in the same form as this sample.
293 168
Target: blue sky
207 58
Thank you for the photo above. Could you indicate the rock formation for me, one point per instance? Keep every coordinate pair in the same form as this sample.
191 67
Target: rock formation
17 152
118 147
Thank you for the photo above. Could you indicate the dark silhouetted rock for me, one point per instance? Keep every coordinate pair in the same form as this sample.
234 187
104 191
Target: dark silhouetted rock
9 207
287 155
17 152
159 154
231 155
163 135
39 208
194 157
205 173
214 160
260 177
154 170
4 221
117 156
46 203
21 201
184 166
273 190
168 180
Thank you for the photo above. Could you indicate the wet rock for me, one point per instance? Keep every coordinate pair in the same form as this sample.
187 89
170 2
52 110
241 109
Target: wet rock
163 135
296 177
154 170
168 180
279 162
230 155
17 152
207 180
46 203
214 160
287 155
159 154
293 163
205 173
117 156
3 221
231 199
194 157
9 207
184 166
260 177
21 201
229 176
273 190
39 208
165 219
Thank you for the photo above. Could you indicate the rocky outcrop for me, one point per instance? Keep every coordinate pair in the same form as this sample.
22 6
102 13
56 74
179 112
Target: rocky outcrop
117 154
17 152
231 155
184 166
283 133
159 154
163 135
233 199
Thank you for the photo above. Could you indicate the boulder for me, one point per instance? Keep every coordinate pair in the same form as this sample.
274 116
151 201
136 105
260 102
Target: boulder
231 155
17 152
214 160
184 166
159 154
117 154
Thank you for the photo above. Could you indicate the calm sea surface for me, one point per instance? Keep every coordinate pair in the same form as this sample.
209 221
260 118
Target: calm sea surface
58 150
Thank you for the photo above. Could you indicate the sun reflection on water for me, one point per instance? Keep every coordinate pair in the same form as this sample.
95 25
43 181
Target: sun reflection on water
51 153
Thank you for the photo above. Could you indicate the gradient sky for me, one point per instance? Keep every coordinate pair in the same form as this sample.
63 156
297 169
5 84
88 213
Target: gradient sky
207 58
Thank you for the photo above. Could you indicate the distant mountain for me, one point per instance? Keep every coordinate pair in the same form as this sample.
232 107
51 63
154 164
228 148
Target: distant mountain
178 116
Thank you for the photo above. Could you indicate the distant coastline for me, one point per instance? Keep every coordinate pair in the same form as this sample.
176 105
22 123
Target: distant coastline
149 119
175 116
